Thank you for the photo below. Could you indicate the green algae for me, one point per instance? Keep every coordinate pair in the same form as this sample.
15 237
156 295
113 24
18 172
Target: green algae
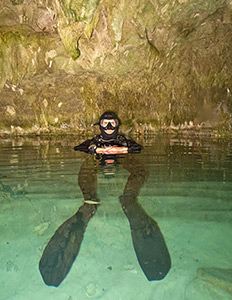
156 63
16 2
79 10
23 52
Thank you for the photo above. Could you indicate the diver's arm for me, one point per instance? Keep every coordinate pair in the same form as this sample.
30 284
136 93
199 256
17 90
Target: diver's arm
84 147
123 145
112 150
133 147
88 147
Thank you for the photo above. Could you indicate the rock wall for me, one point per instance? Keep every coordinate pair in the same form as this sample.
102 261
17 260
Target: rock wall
158 64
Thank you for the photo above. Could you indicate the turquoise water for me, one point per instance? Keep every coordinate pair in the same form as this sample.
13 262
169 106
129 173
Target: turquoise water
188 192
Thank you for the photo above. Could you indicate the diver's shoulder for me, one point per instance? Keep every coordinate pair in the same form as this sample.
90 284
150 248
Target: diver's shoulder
96 138
121 137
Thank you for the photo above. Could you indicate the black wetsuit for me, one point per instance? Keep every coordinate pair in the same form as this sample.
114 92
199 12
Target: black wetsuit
89 146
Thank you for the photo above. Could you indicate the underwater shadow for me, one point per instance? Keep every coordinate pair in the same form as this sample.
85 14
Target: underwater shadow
148 241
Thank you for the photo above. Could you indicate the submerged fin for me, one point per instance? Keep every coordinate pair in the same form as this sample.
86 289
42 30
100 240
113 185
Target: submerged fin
148 241
64 245
150 249
61 251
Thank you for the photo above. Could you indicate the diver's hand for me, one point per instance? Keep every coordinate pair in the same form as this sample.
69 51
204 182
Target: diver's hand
112 150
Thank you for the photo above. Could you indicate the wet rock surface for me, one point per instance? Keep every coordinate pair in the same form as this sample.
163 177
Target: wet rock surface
158 64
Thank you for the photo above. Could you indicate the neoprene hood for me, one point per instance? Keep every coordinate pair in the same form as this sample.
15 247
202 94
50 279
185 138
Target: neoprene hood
108 116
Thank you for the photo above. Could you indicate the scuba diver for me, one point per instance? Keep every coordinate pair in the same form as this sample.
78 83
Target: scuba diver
109 141
148 241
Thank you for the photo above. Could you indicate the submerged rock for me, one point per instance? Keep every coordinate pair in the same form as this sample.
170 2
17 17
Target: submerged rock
210 283
218 277
93 291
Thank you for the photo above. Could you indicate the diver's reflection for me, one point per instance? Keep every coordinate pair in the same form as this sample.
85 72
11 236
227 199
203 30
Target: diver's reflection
148 241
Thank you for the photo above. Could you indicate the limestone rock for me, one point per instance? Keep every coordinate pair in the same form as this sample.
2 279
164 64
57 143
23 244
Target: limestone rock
221 278
167 62
210 283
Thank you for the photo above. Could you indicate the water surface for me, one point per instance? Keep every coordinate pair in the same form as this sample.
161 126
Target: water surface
188 192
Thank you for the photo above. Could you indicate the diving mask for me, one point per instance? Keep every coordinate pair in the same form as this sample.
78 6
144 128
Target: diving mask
109 124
